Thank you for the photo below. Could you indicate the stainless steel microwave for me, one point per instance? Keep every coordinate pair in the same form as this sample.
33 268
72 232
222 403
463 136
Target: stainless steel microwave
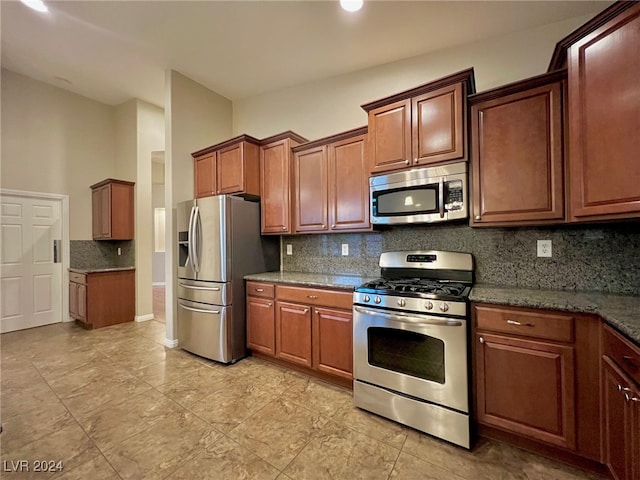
420 195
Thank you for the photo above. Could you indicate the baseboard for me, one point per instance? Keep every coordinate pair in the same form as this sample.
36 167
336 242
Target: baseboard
170 343
158 284
144 318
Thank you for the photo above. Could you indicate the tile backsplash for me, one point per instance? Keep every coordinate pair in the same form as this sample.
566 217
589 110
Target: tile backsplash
603 257
103 254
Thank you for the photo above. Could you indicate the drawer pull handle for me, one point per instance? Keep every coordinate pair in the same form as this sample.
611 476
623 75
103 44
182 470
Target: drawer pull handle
312 297
481 340
630 360
259 289
623 389
629 398
519 324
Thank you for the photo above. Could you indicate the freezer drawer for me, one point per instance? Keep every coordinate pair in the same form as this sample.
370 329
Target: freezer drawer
204 330
214 293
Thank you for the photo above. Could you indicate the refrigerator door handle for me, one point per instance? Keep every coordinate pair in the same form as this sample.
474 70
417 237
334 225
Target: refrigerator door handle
196 240
199 310
190 238
211 289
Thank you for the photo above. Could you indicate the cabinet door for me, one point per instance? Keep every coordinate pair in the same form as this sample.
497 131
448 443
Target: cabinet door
261 328
390 136
293 333
604 113
73 299
275 191
332 341
205 175
311 192
539 404
517 157
82 302
349 185
438 125
230 170
101 212
121 212
618 422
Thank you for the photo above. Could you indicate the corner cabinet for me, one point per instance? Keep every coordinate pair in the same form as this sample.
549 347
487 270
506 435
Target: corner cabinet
102 298
112 210
604 115
230 167
517 161
534 374
309 329
421 126
621 405
276 165
331 184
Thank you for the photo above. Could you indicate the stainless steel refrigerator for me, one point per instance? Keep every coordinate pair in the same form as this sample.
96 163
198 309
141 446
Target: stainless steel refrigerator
219 243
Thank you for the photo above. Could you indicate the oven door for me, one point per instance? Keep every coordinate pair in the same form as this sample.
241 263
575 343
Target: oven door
419 355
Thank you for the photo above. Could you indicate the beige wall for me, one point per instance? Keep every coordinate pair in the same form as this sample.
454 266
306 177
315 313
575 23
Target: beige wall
332 105
54 141
195 117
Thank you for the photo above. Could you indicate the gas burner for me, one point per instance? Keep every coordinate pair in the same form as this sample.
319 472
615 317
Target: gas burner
417 285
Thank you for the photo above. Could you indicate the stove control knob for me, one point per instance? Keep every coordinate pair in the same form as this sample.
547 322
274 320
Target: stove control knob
401 302
366 298
377 299
444 307
428 305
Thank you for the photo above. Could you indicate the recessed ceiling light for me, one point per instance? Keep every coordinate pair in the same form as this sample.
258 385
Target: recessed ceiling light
351 5
36 5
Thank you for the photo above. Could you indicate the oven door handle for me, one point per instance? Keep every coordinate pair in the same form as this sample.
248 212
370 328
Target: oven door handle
401 317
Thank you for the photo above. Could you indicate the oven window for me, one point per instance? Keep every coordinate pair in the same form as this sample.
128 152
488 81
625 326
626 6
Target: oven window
406 352
403 201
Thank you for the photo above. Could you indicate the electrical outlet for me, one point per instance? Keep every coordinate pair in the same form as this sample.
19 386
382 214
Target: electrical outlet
345 249
544 248
119 251
289 249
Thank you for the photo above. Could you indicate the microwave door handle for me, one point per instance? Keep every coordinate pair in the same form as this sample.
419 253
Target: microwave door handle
441 197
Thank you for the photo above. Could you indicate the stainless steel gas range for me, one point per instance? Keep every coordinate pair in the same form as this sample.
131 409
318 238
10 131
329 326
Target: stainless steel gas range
410 334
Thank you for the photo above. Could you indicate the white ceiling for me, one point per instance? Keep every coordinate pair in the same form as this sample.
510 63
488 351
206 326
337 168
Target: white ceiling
112 51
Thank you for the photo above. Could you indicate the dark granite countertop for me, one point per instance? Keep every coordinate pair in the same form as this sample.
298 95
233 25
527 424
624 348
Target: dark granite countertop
348 282
100 270
622 312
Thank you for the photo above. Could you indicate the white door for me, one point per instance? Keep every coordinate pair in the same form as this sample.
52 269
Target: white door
31 293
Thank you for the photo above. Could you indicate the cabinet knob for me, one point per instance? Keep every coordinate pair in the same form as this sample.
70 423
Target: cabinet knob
284 228
406 162
481 340
333 226
324 226
269 304
415 160
478 217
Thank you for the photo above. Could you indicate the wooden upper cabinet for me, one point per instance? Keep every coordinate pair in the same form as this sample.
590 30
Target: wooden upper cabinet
311 192
438 125
112 210
205 175
348 190
231 167
517 153
421 126
331 184
604 116
276 163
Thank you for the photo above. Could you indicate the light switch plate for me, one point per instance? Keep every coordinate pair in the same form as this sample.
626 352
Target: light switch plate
544 248
345 249
289 249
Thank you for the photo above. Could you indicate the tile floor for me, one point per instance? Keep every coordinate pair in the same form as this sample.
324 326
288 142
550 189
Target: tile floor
114 403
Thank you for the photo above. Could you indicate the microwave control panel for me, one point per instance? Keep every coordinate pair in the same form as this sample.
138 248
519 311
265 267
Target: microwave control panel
453 199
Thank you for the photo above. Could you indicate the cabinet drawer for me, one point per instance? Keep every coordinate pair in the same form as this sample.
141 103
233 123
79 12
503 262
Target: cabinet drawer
315 296
529 324
264 290
77 277
623 352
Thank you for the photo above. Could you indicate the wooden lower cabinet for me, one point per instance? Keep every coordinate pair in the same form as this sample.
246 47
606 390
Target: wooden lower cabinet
527 387
100 299
293 333
333 341
621 406
308 329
